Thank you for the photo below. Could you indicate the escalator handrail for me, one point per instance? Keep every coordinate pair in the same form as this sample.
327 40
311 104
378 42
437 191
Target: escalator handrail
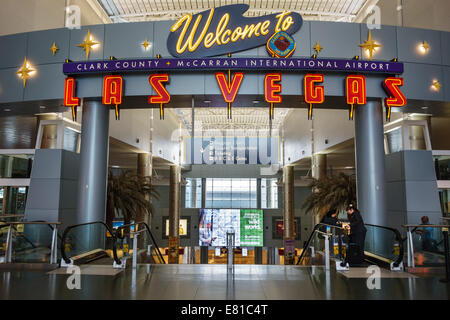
66 231
311 237
400 241
118 236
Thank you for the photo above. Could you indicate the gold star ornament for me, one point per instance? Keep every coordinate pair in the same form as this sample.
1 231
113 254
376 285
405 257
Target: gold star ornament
146 44
317 47
54 48
88 44
436 85
424 47
370 46
26 71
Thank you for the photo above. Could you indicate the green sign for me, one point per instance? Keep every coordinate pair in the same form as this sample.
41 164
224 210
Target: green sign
251 228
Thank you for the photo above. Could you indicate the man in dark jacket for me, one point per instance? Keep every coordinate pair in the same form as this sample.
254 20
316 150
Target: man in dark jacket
357 230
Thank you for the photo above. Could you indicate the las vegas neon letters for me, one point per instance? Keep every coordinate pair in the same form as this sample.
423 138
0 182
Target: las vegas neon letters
355 89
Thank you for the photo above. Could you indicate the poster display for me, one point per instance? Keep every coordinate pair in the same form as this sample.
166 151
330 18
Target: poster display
246 224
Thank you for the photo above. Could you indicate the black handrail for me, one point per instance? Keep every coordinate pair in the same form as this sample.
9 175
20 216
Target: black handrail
399 239
120 236
63 241
311 237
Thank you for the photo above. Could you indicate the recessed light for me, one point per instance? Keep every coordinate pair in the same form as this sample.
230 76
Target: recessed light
424 108
255 101
7 109
43 107
206 101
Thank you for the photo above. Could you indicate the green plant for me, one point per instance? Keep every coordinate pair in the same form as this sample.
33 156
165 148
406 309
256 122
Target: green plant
334 192
127 194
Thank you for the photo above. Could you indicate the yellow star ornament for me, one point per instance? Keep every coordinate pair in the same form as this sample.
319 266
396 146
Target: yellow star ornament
370 46
54 48
25 72
317 47
88 44
146 44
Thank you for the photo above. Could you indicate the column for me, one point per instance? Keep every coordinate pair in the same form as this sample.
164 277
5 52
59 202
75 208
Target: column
93 172
144 169
370 168
174 213
319 171
288 221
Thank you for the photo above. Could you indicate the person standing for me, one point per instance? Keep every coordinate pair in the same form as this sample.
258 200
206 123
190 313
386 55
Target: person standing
357 231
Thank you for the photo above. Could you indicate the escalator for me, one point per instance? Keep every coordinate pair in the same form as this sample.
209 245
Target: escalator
384 246
89 243
95 243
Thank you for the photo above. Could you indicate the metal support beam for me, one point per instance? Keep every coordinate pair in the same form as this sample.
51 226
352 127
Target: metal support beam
288 221
174 213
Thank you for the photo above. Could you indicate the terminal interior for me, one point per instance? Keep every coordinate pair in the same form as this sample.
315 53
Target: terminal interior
201 203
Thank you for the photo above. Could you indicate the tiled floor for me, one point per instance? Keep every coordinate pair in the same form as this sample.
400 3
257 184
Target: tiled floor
253 282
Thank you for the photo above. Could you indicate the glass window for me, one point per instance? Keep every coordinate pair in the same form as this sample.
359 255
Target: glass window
269 194
442 167
71 138
231 193
15 166
394 140
193 193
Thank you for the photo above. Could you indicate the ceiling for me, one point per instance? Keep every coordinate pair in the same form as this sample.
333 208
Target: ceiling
152 10
207 120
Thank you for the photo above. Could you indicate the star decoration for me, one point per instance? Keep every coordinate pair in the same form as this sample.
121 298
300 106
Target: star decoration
436 85
145 44
317 47
54 48
425 46
370 45
26 71
88 44
168 63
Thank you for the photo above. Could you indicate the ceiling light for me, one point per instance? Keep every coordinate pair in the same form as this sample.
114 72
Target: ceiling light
206 101
424 47
7 109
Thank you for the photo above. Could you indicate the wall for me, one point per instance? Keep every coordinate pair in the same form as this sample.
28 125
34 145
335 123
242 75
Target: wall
429 14
440 131
133 125
52 195
411 193
331 125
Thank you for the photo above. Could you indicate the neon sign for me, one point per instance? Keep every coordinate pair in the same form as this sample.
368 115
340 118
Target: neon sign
225 30
355 90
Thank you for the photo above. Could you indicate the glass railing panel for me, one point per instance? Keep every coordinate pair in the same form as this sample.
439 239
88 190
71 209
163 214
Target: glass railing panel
428 246
3 238
85 238
31 243
382 242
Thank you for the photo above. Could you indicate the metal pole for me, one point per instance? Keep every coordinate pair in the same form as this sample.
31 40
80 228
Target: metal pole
447 256
230 255
8 253
135 242
54 248
411 263
327 252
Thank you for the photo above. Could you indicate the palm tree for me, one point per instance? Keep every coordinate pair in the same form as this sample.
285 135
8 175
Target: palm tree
126 193
334 192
